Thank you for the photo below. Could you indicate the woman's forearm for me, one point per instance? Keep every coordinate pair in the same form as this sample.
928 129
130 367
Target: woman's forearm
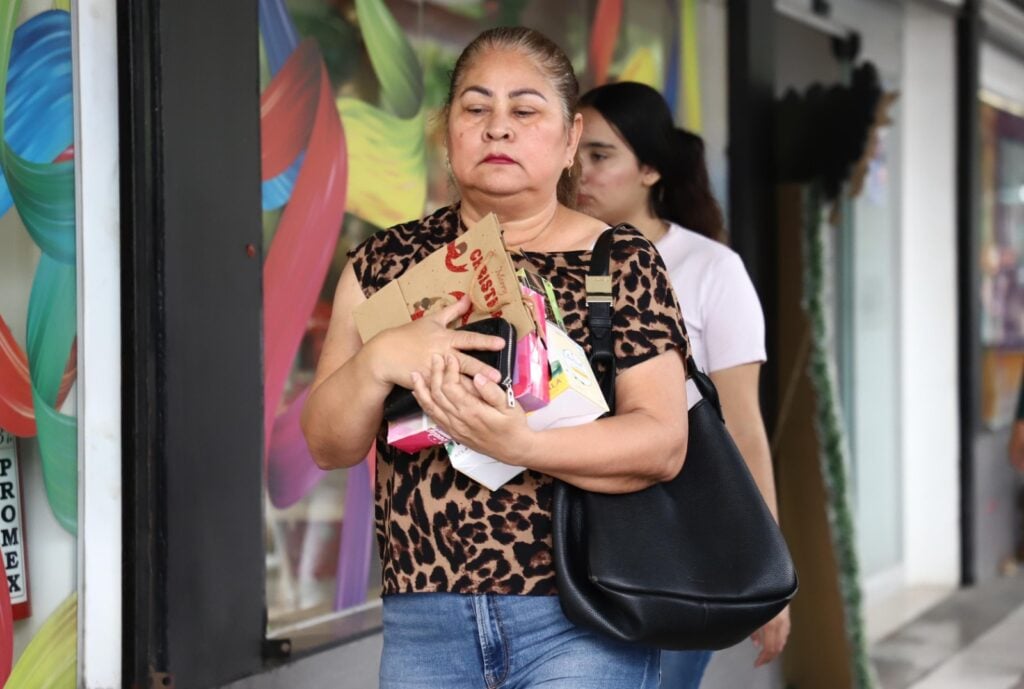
343 413
617 454
752 442
738 391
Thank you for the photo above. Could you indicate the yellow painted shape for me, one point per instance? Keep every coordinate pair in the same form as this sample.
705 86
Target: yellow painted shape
387 173
642 67
51 658
691 67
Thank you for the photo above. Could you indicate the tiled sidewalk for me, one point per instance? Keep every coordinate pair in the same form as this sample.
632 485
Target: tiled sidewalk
972 640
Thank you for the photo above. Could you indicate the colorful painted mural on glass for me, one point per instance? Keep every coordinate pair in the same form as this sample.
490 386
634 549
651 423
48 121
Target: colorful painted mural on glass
38 430
351 94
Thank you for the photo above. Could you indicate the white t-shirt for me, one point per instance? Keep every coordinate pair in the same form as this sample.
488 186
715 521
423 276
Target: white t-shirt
720 306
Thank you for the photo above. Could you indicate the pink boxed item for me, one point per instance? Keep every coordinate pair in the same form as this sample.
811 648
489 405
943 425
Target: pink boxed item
532 377
415 432
531 373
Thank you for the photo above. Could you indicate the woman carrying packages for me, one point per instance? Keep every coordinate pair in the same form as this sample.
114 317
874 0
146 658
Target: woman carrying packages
468 582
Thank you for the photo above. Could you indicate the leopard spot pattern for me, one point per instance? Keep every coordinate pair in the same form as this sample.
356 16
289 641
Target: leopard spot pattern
438 530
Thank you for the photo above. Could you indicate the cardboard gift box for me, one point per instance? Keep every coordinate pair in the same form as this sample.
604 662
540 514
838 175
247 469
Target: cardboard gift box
574 396
475 263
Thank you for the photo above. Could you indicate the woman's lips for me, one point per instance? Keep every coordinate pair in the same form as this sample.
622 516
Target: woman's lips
499 160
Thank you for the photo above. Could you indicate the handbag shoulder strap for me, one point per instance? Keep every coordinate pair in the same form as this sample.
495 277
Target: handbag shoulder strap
599 315
600 298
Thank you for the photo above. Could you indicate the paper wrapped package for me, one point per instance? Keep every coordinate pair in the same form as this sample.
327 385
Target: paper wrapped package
574 397
486 471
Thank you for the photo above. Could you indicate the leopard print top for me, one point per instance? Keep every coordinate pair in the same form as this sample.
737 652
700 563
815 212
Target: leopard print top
438 530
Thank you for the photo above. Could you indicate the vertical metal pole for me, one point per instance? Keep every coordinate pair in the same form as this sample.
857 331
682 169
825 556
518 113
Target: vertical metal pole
968 269
751 150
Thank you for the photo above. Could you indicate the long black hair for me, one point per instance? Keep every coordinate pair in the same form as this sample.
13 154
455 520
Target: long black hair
643 119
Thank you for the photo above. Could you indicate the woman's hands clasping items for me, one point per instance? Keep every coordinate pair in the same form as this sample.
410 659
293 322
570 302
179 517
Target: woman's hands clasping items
474 411
410 348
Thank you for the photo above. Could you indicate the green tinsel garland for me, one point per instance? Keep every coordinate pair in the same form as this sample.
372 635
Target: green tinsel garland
831 430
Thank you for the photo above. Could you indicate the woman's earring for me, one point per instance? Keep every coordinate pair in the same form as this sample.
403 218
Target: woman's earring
568 171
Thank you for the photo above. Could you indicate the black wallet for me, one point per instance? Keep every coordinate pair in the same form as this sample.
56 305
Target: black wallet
400 401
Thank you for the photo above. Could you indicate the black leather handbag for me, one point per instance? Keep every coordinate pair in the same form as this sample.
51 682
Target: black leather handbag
697 562
400 401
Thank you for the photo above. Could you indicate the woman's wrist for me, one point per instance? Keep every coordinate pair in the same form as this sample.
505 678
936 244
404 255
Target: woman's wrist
372 359
523 448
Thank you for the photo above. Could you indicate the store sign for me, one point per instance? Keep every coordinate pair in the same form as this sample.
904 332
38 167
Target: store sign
12 527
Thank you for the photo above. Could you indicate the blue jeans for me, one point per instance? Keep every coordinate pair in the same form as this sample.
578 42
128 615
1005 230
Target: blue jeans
683 669
452 641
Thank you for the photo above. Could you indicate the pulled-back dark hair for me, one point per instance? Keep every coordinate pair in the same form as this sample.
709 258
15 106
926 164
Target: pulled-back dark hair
549 58
643 119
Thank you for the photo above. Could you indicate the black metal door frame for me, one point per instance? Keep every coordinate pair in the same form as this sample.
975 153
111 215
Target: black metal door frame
194 602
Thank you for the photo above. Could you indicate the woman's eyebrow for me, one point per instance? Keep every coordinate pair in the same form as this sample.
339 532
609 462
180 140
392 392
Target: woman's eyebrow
596 144
527 92
512 94
478 89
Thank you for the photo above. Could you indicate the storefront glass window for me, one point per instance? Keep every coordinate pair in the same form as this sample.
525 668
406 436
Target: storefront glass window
38 327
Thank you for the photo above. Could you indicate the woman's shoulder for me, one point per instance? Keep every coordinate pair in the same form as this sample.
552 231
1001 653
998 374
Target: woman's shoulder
710 278
385 254
577 231
696 244
631 245
692 253
441 225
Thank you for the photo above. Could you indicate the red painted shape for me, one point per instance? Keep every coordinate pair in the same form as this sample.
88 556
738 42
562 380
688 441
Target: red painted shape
603 37
304 243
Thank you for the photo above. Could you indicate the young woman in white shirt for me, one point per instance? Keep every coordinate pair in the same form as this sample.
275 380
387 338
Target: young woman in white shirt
638 168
